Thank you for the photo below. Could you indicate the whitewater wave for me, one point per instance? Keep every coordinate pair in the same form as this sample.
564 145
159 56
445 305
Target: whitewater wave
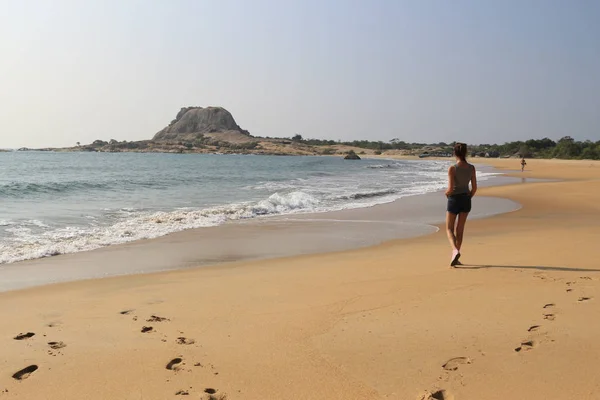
27 244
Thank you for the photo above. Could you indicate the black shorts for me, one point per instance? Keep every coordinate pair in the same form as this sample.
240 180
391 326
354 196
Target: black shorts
459 203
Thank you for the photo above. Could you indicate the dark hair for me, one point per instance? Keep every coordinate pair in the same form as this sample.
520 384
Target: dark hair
460 151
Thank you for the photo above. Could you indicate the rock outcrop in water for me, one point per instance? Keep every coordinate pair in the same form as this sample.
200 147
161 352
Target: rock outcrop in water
352 156
193 122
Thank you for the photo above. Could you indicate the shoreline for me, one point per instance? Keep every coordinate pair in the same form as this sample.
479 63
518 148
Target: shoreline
71 216
279 236
383 322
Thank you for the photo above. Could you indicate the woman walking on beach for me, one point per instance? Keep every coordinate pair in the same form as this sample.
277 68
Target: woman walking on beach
459 199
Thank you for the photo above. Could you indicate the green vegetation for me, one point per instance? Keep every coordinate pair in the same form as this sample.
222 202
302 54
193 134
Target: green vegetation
565 148
113 145
244 146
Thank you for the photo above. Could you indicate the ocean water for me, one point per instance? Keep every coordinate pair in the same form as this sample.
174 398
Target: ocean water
57 203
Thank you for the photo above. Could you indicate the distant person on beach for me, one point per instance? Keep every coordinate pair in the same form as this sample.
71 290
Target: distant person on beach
523 164
459 199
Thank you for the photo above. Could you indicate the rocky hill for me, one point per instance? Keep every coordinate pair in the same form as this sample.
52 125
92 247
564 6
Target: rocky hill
192 123
213 130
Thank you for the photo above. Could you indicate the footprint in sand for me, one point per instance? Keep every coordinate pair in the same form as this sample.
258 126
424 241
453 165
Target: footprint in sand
183 340
146 329
453 363
526 346
129 312
155 318
182 393
436 395
25 372
549 305
212 394
22 336
175 364
218 396
582 299
533 328
57 345
549 317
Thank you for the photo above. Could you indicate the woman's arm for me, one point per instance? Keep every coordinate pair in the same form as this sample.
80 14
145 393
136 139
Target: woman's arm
473 182
450 181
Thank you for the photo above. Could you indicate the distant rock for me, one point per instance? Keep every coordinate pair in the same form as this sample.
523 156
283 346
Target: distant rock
193 122
352 156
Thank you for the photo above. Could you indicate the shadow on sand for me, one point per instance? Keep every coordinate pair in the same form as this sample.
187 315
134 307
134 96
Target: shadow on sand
537 267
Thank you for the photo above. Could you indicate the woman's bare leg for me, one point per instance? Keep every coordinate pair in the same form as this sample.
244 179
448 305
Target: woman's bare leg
460 229
450 221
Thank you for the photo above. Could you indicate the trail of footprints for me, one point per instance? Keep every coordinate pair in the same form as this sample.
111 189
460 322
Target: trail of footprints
176 364
26 372
536 336
549 314
528 344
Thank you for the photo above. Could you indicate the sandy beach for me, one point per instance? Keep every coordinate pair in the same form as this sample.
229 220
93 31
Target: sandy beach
393 321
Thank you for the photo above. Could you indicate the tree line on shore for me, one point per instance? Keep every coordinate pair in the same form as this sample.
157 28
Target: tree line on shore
565 148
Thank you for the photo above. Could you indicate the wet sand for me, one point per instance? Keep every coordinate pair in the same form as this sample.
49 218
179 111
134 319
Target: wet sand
391 321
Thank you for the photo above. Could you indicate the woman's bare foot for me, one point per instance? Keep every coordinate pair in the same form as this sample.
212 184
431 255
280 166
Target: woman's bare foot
455 257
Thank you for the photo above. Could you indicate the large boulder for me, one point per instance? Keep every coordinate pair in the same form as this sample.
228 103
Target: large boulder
191 122
352 156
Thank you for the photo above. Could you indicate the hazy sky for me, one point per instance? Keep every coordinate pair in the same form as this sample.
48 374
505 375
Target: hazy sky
424 70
